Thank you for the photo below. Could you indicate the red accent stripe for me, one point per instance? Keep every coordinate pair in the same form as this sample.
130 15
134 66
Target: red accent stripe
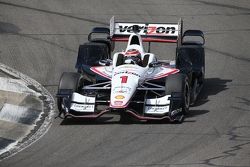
147 118
99 72
88 116
119 39
93 116
133 52
165 75
159 40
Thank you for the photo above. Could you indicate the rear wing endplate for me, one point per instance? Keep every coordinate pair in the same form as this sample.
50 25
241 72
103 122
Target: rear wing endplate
193 33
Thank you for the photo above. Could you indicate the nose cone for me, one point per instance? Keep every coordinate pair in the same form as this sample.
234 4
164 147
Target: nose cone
123 87
121 96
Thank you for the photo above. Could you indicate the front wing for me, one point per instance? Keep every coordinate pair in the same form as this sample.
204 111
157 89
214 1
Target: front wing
84 106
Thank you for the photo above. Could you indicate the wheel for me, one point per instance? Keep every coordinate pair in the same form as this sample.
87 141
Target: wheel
196 87
194 91
177 85
68 81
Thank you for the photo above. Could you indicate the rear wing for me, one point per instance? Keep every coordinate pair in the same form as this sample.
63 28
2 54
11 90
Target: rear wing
150 32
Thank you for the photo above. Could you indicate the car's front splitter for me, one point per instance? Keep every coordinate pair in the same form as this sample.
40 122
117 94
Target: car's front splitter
129 111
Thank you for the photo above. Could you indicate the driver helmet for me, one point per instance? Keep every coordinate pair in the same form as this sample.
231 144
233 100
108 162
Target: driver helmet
132 56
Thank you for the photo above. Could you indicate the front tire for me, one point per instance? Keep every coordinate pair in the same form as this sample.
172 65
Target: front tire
177 85
68 81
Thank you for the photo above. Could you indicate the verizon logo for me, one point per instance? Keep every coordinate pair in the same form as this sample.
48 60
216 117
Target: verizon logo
147 29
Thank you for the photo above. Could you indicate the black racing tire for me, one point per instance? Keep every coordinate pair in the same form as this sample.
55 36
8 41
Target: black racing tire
68 80
178 83
194 92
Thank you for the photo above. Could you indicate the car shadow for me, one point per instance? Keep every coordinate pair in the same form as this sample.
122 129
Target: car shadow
83 121
212 86
194 113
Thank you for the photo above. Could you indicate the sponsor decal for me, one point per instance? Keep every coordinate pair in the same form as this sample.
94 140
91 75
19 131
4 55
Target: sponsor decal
119 97
156 109
121 89
127 72
82 107
149 29
118 103
124 79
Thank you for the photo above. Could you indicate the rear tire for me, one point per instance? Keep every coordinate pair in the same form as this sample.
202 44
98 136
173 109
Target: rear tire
178 85
194 91
70 81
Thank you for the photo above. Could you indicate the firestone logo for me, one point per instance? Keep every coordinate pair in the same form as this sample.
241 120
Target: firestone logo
148 29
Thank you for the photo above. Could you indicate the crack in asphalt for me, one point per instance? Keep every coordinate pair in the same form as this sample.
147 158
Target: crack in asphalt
243 101
231 152
239 108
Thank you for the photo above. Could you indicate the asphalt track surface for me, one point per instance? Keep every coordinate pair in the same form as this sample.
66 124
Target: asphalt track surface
41 38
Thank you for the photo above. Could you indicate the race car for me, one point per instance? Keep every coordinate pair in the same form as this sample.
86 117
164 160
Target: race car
133 82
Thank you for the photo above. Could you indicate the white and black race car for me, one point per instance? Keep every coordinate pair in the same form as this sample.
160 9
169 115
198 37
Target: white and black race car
134 82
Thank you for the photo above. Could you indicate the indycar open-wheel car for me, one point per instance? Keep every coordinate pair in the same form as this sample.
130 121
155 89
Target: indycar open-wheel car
134 82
